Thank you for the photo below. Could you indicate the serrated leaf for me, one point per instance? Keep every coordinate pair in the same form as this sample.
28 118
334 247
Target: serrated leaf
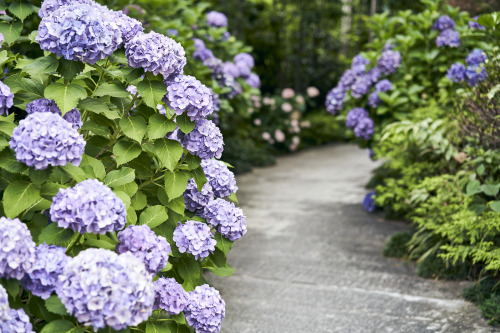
124 197
490 189
21 9
178 205
151 92
134 127
12 287
199 177
111 89
9 162
193 161
52 234
126 151
69 69
161 327
129 188
473 187
159 126
43 65
169 152
65 96
139 200
96 106
120 177
19 196
223 244
495 206
98 170
190 271
54 305
75 172
131 216
11 32
175 184
153 216
184 123
58 326
101 243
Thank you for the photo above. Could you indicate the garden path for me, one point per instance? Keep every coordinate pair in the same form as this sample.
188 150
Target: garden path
311 261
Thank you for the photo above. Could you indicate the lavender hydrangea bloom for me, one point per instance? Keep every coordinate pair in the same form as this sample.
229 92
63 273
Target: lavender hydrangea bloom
389 61
382 86
215 64
50 6
456 73
205 140
79 32
354 116
364 128
48 105
156 53
335 99
243 69
205 310
185 94
231 69
6 98
4 305
128 26
100 287
244 58
44 139
347 79
199 43
17 322
194 238
228 219
449 38
90 206
216 19
475 25
476 58
369 202
50 261
375 74
359 64
220 178
143 243
203 54
443 22
17 249
361 86
253 80
196 201
170 296
475 74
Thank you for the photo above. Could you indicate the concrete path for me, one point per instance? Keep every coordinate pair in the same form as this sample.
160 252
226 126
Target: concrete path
311 261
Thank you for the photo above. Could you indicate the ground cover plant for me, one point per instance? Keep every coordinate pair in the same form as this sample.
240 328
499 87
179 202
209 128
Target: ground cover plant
114 199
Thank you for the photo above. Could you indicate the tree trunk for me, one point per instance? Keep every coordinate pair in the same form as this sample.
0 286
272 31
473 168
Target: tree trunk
345 25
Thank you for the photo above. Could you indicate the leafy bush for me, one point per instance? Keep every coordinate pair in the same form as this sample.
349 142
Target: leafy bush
396 246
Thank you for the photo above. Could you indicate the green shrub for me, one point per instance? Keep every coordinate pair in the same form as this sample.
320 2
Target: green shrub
397 245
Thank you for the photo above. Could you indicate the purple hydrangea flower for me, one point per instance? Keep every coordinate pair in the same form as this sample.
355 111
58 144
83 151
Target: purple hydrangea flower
364 128
205 140
219 176
128 26
253 80
243 69
196 201
50 6
170 296
215 65
100 287
244 58
335 99
205 310
354 116
44 139
6 98
388 47
359 64
216 19
17 322
476 57
143 243
1 38
172 32
375 74
382 86
228 219
47 105
369 202
361 86
199 43
156 53
89 206
231 69
449 38
456 73
17 249
50 261
443 22
185 94
203 54
79 32
4 305
347 79
475 74
389 61
194 238
475 25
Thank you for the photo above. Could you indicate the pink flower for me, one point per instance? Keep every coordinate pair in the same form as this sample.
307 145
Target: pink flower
266 136
268 101
257 122
279 135
312 92
287 93
287 107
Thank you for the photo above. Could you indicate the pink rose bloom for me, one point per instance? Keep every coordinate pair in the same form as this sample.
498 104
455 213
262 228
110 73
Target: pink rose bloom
287 93
312 92
257 122
287 107
279 135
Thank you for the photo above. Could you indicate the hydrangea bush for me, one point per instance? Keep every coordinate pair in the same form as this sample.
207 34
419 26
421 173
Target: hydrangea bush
108 165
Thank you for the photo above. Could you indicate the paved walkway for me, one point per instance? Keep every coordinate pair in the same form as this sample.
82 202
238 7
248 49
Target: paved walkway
311 261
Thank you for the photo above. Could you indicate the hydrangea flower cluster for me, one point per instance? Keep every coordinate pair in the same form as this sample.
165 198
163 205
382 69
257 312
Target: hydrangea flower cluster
194 238
196 201
185 94
216 19
16 322
205 140
6 98
382 86
156 53
359 120
359 64
335 100
48 105
361 86
50 6
253 80
205 310
473 73
170 296
43 279
389 61
90 206
448 36
128 26
456 73
17 249
476 58
220 178
100 287
443 22
79 32
143 243
475 25
4 304
228 219
369 202
354 116
44 139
